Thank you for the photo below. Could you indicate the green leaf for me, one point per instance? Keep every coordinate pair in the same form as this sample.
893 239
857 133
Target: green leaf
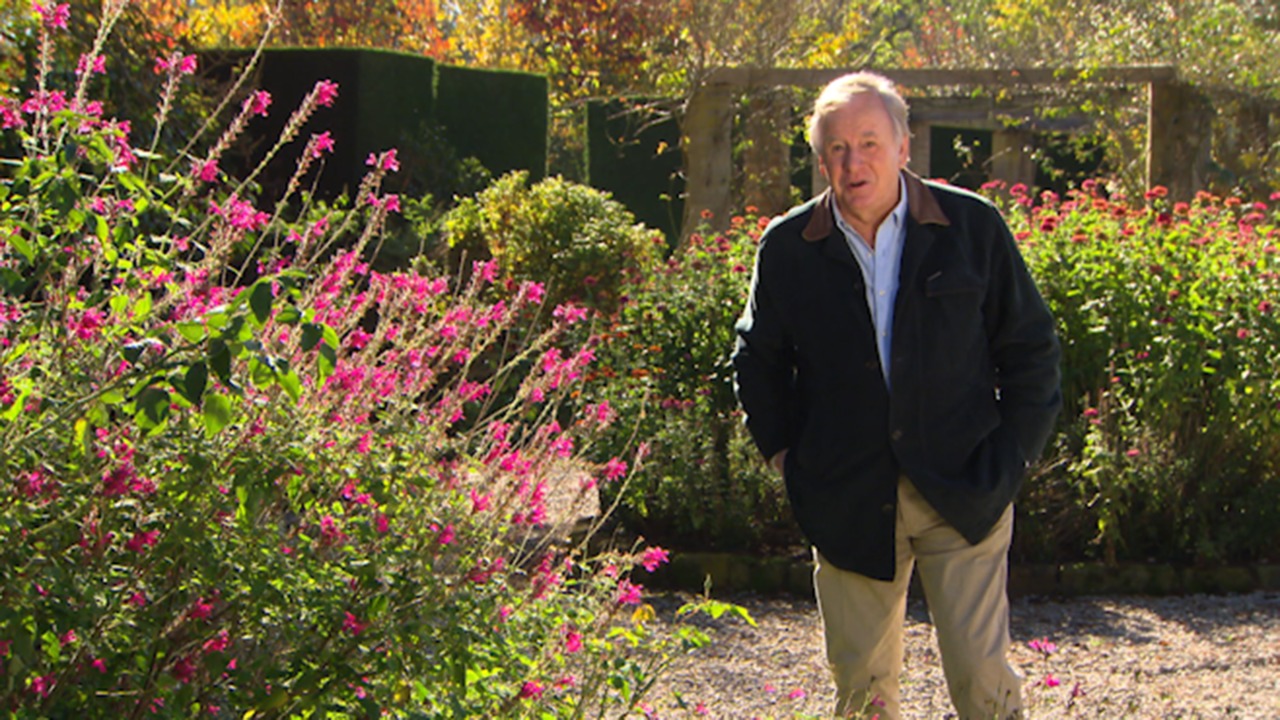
152 407
194 383
327 363
311 335
291 384
217 413
191 331
142 308
260 301
22 246
220 360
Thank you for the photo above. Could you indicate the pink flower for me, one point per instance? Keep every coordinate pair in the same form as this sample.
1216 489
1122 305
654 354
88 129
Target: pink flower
217 643
322 143
530 691
352 625
614 469
200 609
100 665
446 535
206 171
184 670
42 685
54 17
91 63
326 91
142 540
572 641
67 638
569 313
797 694
187 64
653 558
1043 645
1051 681
258 102
137 600
629 593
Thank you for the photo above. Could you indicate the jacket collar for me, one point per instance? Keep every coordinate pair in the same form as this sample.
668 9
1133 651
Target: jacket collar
921 205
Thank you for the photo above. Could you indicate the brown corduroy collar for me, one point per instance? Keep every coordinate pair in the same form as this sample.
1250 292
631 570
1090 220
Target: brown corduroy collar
921 205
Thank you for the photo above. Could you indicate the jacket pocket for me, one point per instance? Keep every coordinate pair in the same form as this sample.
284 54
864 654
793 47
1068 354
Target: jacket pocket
952 282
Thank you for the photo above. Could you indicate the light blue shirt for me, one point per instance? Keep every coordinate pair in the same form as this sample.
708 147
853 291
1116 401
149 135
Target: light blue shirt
880 270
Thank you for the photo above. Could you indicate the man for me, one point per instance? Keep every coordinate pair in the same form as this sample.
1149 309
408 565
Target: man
898 366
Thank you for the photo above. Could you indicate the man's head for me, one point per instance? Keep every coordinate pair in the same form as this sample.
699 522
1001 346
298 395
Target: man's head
859 132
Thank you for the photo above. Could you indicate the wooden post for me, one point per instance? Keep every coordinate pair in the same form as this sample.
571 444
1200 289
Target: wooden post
706 135
1011 157
1179 134
767 160
921 136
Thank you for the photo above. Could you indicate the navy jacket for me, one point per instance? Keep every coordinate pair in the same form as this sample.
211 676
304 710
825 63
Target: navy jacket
974 373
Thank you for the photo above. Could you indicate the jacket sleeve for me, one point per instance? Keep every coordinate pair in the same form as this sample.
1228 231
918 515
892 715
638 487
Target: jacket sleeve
763 358
1024 347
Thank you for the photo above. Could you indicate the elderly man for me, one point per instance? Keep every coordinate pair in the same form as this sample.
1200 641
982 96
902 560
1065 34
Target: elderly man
899 368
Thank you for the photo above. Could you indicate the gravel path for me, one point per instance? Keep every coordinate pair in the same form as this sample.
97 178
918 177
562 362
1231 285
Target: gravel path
1197 656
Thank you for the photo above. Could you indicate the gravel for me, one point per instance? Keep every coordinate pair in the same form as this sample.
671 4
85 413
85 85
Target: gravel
1196 656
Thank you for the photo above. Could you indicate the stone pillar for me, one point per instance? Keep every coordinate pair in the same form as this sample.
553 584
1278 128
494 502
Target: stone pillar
707 139
767 158
921 131
1179 139
1011 157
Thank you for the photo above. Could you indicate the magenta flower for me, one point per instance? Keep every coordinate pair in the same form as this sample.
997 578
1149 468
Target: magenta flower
320 144
654 558
142 540
326 92
352 625
137 600
1043 645
200 609
258 102
42 685
91 64
797 694
54 17
569 313
206 171
1051 681
530 691
629 593
217 643
572 640
184 671
100 665
614 469
67 638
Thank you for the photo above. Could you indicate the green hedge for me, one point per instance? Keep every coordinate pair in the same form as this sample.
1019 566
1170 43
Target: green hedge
498 116
634 153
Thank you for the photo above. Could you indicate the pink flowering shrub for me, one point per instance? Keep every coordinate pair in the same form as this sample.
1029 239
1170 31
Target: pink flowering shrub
244 474
1169 446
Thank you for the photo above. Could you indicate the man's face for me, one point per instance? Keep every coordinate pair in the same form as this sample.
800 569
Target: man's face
861 159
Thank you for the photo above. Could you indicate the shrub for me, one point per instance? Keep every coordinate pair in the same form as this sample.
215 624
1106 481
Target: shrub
575 239
280 487
1169 446
664 365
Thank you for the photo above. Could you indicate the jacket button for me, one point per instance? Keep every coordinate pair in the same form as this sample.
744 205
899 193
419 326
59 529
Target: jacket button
887 509
870 364
897 435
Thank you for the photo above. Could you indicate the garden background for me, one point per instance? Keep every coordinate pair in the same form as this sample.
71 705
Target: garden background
281 445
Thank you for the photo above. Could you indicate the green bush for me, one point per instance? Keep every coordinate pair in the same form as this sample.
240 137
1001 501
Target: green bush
577 240
665 369
276 488
1169 446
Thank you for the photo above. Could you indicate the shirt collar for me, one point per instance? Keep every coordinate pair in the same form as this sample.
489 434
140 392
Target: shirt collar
896 219
922 206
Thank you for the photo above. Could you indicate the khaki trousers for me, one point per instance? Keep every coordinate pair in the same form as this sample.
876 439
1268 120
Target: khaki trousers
964 587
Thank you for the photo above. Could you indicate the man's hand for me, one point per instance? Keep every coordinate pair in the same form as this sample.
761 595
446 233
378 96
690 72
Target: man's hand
778 461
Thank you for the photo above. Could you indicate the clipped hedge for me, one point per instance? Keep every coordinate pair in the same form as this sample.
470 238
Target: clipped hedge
499 116
634 153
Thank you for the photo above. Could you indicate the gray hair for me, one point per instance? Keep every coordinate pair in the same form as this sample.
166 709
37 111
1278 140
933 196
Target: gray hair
840 91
